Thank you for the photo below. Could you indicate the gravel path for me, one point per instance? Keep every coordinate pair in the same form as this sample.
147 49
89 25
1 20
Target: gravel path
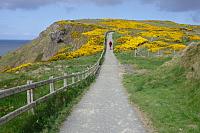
105 108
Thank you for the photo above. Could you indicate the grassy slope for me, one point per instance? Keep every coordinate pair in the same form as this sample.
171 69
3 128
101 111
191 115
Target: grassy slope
43 118
41 71
46 44
164 94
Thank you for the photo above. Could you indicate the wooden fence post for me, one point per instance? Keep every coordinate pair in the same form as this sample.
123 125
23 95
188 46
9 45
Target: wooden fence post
30 96
174 52
73 79
86 74
78 76
83 76
65 80
94 70
158 52
88 71
51 85
135 52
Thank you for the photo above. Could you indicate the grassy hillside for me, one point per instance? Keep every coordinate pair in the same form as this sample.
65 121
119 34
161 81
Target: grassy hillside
62 34
167 91
69 36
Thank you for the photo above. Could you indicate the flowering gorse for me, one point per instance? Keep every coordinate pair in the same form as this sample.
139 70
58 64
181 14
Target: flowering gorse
18 68
130 43
93 46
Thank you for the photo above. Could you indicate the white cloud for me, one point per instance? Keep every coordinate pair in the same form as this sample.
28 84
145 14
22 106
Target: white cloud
33 4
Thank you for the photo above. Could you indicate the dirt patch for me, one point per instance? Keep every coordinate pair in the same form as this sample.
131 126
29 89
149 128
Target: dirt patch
141 72
128 68
192 126
133 69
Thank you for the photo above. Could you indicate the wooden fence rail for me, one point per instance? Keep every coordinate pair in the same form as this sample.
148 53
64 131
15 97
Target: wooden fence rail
143 52
76 78
18 89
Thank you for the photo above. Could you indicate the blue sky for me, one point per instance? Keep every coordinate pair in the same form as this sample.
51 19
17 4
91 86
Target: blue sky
25 19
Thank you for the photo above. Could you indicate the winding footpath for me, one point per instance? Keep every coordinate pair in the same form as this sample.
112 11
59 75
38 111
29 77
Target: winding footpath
105 107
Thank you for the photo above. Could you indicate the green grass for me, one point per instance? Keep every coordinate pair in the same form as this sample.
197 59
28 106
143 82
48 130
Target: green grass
48 113
170 101
41 71
141 62
116 35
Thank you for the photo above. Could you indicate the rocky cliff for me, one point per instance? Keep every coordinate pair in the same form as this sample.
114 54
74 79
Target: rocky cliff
56 36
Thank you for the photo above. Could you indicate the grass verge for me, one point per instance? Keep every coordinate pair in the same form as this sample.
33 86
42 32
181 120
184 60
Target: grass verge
50 114
164 94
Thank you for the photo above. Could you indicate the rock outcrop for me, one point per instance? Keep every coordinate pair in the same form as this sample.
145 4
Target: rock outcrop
47 44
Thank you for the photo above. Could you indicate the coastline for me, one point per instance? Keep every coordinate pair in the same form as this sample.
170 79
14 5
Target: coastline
10 45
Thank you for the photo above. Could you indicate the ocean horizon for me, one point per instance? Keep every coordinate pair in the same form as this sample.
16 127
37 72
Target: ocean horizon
11 45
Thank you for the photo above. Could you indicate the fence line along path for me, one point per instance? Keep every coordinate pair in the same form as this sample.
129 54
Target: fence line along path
75 78
105 107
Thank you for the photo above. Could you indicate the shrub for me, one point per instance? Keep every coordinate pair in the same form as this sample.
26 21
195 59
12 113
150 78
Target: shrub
18 68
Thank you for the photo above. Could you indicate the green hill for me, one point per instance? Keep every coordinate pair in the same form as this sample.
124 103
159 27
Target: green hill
48 43
69 34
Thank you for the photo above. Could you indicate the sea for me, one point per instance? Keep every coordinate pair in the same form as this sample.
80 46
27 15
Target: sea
11 45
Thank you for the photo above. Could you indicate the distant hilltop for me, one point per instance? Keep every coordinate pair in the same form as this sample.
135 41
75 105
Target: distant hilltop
71 35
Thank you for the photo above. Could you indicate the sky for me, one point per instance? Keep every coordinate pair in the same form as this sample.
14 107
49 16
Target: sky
25 19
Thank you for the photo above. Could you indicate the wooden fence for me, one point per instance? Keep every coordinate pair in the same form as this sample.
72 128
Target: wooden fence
143 52
76 78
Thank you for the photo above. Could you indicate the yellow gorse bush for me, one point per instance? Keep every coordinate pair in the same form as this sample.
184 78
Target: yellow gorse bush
130 43
124 39
96 32
195 37
155 46
93 46
120 31
167 52
172 36
63 22
18 68
85 50
165 36
124 24
75 34
159 45
63 50
177 47
88 49
129 24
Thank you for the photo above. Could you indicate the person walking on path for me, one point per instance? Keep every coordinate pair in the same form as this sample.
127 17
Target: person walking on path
110 44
